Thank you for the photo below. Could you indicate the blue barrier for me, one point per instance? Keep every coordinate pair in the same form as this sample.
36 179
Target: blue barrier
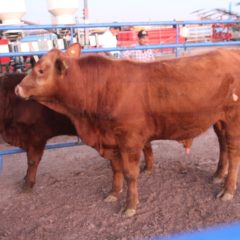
226 232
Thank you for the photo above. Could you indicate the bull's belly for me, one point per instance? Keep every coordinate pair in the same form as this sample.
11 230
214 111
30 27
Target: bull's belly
182 127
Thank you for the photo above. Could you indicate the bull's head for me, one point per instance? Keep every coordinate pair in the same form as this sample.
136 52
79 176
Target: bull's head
41 82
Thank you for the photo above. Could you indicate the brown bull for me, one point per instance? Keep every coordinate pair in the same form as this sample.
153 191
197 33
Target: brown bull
117 106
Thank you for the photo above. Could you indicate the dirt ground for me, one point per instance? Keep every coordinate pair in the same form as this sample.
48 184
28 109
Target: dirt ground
67 201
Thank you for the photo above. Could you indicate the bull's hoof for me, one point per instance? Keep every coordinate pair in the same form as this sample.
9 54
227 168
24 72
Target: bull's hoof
225 196
218 180
27 186
129 212
147 172
110 198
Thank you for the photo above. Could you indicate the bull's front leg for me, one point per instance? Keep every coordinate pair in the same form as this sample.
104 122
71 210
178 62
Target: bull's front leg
117 184
116 163
130 162
115 159
34 155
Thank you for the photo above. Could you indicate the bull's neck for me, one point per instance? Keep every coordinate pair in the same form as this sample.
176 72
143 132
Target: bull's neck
78 90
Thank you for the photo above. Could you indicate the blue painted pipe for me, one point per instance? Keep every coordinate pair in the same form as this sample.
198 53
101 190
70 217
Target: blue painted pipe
155 46
49 146
1 164
115 24
98 25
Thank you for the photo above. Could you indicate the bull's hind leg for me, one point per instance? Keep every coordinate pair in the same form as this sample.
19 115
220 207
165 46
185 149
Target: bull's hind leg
233 149
34 155
222 168
148 157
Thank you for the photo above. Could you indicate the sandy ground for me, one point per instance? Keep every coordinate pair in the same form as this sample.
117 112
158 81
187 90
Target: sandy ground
67 201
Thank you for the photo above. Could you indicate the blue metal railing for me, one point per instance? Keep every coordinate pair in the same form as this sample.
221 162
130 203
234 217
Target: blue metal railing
117 24
175 45
155 46
47 147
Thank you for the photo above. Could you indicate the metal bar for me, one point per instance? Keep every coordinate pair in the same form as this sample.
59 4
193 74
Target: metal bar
1 164
72 33
155 46
85 18
86 50
117 24
177 40
49 146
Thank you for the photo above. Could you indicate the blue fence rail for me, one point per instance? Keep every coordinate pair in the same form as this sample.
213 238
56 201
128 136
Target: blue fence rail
175 45
47 147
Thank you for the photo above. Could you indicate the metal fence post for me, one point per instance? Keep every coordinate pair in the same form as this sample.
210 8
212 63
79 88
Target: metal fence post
177 39
1 163
72 34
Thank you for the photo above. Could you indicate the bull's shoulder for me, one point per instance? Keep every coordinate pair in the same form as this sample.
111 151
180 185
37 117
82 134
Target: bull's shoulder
92 58
99 59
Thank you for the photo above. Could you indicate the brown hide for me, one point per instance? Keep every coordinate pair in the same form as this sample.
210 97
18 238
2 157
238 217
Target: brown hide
122 104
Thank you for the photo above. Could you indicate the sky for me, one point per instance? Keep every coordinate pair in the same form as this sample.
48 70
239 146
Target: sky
131 10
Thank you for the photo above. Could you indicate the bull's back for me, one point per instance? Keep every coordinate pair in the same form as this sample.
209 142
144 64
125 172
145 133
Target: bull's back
180 98
181 85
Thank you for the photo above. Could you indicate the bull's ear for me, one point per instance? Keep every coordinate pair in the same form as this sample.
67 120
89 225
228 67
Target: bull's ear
60 66
74 50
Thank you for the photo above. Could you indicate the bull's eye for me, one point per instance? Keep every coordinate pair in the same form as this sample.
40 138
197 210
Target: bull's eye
41 71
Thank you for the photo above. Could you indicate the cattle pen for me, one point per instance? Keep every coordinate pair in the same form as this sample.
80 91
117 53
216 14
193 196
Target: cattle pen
174 48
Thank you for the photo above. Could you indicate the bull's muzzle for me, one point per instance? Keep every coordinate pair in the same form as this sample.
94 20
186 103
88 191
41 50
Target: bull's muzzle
19 92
